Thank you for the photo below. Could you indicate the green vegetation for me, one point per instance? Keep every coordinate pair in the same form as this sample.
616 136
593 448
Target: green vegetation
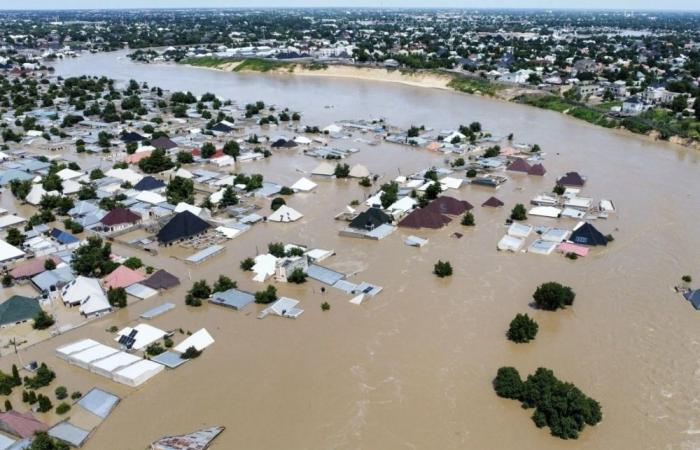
208 61
342 171
442 269
687 279
247 264
191 353
200 291
276 203
43 377
559 405
552 296
468 219
133 263
266 296
180 190
325 306
92 259
224 283
42 441
522 329
519 212
61 392
471 85
154 349
62 408
117 297
43 320
262 65
298 276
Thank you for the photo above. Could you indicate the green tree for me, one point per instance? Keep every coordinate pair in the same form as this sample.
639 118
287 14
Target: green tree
268 295
61 392
62 408
433 191
519 212
185 157
508 383
93 258
228 198
442 269
342 171
158 161
390 194
468 219
276 249
208 150
133 263
232 148
191 353
298 276
15 237
522 329
552 296
43 320
45 404
117 297
200 290
276 203
42 441
247 264
224 283
180 190
20 189
52 182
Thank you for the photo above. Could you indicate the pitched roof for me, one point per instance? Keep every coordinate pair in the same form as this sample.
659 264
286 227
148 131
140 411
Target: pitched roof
493 202
20 424
18 308
537 169
122 276
118 216
63 237
29 268
449 205
424 218
149 183
587 234
571 179
182 225
370 219
164 143
161 280
132 136
519 165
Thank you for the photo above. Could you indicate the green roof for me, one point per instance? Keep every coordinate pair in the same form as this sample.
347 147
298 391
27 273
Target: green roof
18 308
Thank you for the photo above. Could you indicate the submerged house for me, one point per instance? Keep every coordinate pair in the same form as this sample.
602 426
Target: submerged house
425 218
587 234
119 219
88 294
22 425
449 205
370 219
493 202
572 179
183 225
18 309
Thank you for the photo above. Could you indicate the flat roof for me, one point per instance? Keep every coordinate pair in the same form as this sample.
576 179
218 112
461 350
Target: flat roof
99 402
204 254
171 360
157 311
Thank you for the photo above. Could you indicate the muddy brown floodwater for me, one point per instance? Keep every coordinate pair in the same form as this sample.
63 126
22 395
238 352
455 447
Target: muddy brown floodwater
412 368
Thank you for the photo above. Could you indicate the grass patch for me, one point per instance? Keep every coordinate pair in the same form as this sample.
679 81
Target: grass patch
208 61
262 65
562 105
473 85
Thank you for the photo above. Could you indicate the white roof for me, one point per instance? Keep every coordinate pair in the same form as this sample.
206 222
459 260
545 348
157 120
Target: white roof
138 373
230 233
37 192
451 183
223 160
68 174
150 197
519 230
333 128
70 187
510 243
375 200
183 173
285 214
555 235
359 171
145 335
264 267
545 211
182 206
226 181
403 205
412 184
77 290
217 196
284 304
10 219
579 202
303 140
574 213
95 304
8 251
91 354
606 205
125 175
75 347
115 362
304 185
199 340
324 169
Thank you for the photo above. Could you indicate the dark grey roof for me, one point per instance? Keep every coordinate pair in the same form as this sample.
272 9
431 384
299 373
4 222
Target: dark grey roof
181 226
370 219
161 279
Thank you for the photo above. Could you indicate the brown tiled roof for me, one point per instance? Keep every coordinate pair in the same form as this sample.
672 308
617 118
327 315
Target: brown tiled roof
493 202
424 218
449 205
32 267
23 425
519 165
120 215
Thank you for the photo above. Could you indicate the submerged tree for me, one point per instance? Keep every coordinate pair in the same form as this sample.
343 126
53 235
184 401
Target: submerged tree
522 329
552 296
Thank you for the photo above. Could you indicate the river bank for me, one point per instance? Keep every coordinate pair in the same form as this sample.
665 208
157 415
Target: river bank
431 79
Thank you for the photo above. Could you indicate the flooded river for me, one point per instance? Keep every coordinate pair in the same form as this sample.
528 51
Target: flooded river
412 368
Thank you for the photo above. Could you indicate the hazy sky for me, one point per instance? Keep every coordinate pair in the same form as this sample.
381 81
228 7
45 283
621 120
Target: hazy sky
588 4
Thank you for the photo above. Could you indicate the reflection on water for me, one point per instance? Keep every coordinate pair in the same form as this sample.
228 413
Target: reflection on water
412 368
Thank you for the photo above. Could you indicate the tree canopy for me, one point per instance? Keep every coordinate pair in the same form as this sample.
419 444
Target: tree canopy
552 296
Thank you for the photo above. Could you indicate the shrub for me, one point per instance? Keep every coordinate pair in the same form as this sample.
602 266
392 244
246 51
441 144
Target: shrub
471 173
43 320
133 263
365 182
519 212
559 189
687 279
62 408
508 383
468 220
247 264
443 269
76 395
552 296
154 349
298 276
190 300
224 283
325 306
277 202
572 255
7 280
191 353
61 392
522 329
266 296
286 191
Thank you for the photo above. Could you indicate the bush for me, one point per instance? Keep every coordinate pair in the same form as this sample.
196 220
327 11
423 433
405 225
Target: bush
200 289
277 202
298 276
276 249
7 280
468 220
43 377
365 182
687 279
266 296
61 392
559 189
342 171
442 269
325 306
471 173
522 329
191 353
117 297
43 320
192 301
552 296
560 406
45 404
247 264
224 283
62 408
133 263
154 349
519 212
76 395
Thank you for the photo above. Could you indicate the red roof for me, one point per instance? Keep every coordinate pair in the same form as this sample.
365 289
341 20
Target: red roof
32 267
537 169
120 215
449 205
519 165
493 202
23 425
122 276
424 218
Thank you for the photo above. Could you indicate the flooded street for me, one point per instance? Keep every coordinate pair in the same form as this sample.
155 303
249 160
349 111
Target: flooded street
412 367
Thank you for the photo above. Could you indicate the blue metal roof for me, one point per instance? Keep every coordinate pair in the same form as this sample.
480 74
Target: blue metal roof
233 298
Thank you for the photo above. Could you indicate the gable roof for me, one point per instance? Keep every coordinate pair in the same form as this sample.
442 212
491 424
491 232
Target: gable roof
118 216
182 225
493 202
424 218
20 424
571 179
370 219
122 276
18 308
537 169
519 165
63 237
449 205
132 136
587 234
163 143
149 183
31 267
161 279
